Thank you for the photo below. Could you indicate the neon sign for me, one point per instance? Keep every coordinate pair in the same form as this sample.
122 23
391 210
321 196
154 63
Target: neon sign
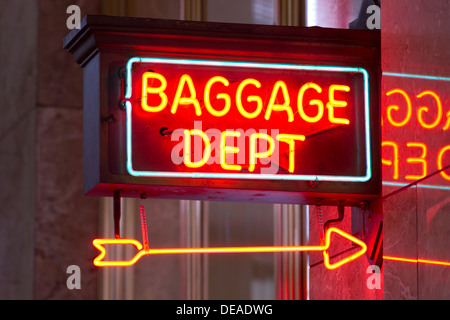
231 98
207 112
142 251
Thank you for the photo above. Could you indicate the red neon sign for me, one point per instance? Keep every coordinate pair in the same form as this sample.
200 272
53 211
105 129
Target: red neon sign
247 121
100 243
266 114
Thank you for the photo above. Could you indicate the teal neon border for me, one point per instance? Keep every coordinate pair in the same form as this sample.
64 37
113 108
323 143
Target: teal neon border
424 186
415 76
255 65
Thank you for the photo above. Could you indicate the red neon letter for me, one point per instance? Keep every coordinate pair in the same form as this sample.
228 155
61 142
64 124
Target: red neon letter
290 140
421 160
426 109
395 160
447 124
280 107
396 108
257 99
318 103
146 90
186 101
224 149
187 148
336 104
223 96
439 162
253 149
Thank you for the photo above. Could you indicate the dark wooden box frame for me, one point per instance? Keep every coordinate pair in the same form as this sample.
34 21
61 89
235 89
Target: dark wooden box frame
103 46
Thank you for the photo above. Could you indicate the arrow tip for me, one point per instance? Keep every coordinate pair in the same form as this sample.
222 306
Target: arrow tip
332 266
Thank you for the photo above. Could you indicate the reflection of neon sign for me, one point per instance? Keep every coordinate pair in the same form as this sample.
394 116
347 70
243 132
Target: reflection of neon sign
425 261
416 155
100 243
421 111
309 100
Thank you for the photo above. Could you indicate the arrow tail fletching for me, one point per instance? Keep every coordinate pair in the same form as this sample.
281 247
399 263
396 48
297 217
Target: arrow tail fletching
99 244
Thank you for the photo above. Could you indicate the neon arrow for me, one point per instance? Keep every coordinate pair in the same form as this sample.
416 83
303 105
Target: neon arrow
99 244
426 261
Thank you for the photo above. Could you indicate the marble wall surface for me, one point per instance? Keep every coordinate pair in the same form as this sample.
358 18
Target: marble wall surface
44 214
65 220
415 40
18 90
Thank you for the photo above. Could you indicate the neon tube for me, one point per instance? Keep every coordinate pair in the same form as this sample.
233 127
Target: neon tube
415 76
425 186
426 261
255 65
99 262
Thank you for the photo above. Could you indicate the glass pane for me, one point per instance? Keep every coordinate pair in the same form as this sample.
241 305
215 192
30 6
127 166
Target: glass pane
158 9
332 13
240 11
240 275
159 277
